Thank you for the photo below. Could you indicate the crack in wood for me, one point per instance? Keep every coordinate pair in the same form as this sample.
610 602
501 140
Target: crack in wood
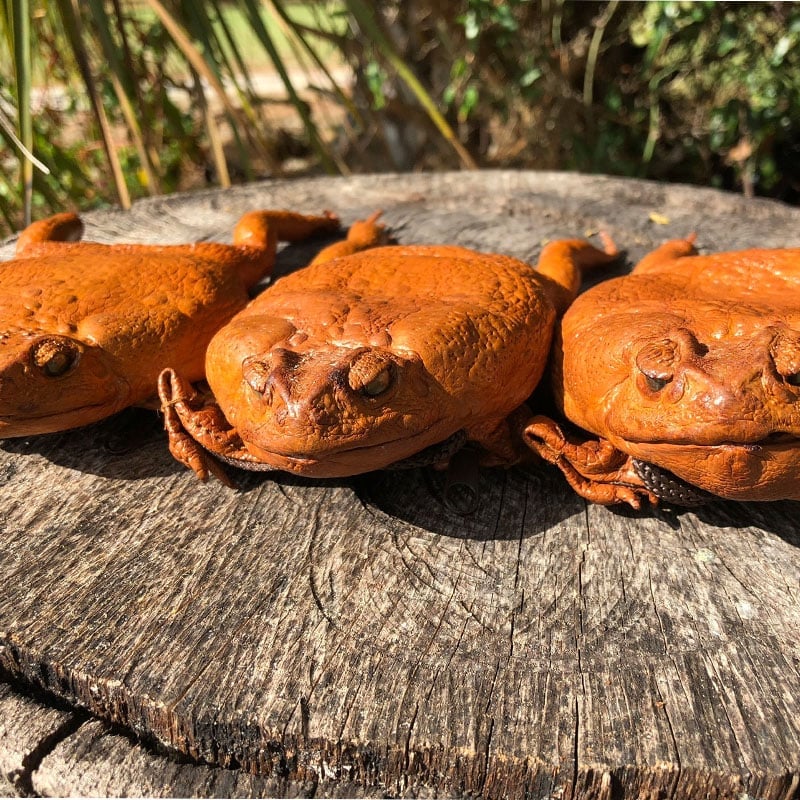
675 747
33 760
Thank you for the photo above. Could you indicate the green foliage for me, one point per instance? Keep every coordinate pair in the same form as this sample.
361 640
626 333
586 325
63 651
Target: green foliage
491 31
704 92
726 80
376 77
140 94
151 91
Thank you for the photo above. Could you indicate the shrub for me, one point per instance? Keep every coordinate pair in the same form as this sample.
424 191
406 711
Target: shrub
701 92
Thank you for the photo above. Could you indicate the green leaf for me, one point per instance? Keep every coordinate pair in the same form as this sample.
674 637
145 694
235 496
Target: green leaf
780 51
472 28
376 79
20 13
468 102
529 77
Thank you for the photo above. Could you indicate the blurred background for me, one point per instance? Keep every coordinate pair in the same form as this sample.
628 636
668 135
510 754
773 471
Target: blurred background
106 101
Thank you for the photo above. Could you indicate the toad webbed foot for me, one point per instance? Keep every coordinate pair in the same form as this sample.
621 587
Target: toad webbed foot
594 468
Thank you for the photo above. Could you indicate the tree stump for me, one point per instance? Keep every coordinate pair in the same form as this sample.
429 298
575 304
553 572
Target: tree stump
359 638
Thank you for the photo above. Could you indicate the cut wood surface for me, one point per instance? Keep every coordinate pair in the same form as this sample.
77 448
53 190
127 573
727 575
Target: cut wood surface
27 732
357 637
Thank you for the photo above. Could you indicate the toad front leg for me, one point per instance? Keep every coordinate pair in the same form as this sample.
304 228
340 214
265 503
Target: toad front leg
564 261
197 428
595 469
502 441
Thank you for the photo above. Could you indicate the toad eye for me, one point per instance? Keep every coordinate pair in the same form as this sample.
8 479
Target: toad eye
55 357
379 384
656 363
786 356
371 374
656 383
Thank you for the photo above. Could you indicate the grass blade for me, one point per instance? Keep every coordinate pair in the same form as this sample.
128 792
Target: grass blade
8 127
214 135
121 80
201 28
594 50
202 67
363 16
257 23
21 33
300 33
70 16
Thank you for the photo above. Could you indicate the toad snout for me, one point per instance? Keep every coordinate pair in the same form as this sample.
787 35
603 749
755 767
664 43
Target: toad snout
294 393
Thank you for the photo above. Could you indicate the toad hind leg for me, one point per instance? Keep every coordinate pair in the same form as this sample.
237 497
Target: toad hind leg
66 227
362 235
258 232
595 469
564 260
265 228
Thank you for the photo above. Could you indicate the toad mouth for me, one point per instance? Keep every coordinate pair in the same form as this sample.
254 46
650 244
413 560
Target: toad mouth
669 487
773 441
21 417
48 415
438 451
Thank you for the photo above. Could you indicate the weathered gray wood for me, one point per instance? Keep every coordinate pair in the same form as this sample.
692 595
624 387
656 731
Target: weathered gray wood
360 633
98 762
28 730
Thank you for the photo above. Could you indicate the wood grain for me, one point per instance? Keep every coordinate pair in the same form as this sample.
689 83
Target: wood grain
357 637
28 731
100 762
